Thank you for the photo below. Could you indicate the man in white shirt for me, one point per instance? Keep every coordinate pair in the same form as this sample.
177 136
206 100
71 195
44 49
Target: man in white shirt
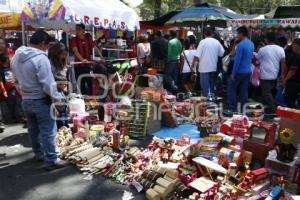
208 52
271 58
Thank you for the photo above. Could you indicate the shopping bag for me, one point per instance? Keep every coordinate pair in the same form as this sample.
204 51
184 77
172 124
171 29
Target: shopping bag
280 97
226 61
255 81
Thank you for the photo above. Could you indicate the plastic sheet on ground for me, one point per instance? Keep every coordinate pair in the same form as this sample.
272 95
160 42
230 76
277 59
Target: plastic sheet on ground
176 133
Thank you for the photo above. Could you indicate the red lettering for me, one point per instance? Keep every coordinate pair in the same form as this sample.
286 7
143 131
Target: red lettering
6 19
106 22
96 21
86 20
76 18
123 25
130 77
114 24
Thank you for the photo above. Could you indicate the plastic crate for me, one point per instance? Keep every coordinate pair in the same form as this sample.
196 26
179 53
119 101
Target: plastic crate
137 126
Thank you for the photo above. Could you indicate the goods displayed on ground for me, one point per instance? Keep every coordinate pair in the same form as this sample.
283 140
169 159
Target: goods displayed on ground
232 158
236 158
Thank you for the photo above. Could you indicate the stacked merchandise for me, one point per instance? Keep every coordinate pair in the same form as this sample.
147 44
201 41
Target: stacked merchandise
217 166
137 125
173 169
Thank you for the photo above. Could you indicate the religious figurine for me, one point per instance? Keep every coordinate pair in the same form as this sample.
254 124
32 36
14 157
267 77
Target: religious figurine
285 149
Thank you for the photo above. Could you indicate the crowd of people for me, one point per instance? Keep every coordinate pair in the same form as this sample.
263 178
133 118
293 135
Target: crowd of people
34 77
260 70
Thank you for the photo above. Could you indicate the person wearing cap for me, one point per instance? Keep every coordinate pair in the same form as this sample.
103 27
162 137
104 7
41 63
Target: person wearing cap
82 46
33 77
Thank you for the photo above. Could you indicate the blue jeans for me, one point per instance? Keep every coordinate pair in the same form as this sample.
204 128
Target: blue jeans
41 129
207 82
171 75
238 87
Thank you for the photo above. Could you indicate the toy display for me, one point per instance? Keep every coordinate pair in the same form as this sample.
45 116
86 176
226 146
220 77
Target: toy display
261 145
232 159
254 177
285 148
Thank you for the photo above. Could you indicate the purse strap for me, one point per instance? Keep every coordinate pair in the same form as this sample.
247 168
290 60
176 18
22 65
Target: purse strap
192 70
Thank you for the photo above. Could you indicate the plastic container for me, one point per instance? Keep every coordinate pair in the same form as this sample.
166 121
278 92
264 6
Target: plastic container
77 105
152 71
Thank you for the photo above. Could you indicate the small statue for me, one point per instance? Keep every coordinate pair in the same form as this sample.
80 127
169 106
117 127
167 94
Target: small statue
285 148
165 156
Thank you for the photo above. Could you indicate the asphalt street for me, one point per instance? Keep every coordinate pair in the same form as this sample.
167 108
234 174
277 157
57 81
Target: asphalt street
22 178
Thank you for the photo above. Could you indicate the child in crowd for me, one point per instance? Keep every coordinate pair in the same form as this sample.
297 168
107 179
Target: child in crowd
62 110
9 97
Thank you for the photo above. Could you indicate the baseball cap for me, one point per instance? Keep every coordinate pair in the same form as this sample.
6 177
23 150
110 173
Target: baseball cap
41 36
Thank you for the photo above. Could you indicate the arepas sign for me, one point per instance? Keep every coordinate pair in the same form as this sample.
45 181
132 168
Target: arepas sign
100 22
64 14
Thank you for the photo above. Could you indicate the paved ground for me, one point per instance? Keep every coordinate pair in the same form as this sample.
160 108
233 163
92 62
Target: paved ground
22 178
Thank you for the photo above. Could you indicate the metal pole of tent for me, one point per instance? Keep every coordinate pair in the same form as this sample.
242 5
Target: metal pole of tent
57 35
23 33
27 35
71 69
202 31
93 35
67 43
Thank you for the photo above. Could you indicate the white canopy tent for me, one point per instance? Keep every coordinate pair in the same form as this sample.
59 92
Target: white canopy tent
14 6
64 14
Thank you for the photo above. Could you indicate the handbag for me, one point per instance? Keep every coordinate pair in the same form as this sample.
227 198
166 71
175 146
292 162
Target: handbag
147 59
255 78
193 76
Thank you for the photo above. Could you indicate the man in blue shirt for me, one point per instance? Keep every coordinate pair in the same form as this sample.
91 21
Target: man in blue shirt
241 71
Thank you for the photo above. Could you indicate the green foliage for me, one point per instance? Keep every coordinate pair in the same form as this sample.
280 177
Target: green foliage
256 6
151 9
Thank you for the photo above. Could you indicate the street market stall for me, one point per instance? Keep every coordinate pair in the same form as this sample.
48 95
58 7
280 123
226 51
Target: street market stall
158 23
208 157
205 13
203 156
65 14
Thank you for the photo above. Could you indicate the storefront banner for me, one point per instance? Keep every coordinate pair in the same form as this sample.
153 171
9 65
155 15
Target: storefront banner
268 23
10 20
